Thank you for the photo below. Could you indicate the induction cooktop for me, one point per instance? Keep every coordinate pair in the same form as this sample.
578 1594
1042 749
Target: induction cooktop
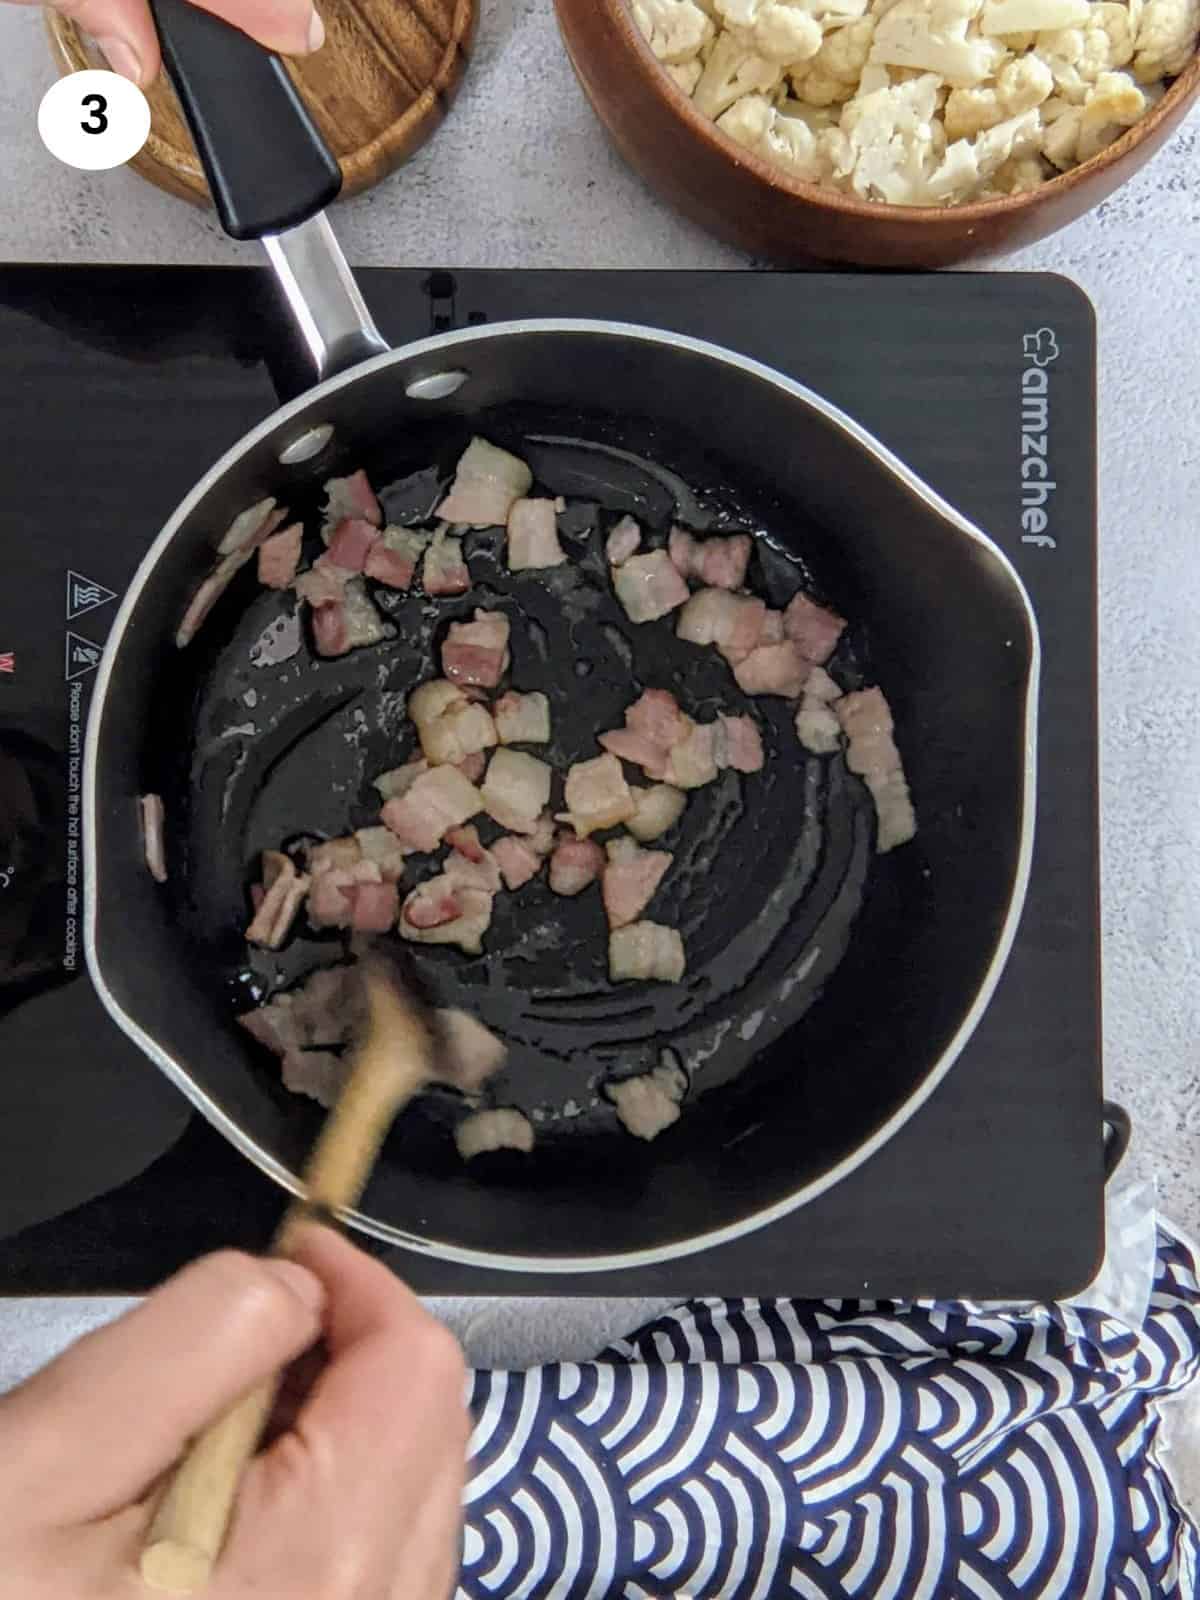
120 385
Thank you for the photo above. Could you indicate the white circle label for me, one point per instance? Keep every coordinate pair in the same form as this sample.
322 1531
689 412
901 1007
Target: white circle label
94 120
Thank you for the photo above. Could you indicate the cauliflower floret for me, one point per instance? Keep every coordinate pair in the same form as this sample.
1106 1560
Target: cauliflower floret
816 87
1060 141
747 120
674 29
780 30
1114 104
732 70
1032 16
1018 136
1018 43
890 134
686 74
789 142
1166 39
931 36
1020 175
956 177
844 51
1020 85
1078 56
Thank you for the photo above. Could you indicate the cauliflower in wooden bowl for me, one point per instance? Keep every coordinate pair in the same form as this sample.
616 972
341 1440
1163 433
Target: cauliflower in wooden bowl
886 132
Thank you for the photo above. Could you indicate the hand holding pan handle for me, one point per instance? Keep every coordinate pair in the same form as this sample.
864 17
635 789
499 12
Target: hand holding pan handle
270 172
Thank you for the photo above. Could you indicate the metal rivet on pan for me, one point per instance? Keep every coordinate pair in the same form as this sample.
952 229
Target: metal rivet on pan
306 445
437 386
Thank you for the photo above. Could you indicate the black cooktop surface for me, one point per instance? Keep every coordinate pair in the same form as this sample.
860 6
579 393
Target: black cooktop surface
120 385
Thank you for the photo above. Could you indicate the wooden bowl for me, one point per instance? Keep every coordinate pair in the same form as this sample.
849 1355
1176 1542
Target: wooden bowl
744 199
380 86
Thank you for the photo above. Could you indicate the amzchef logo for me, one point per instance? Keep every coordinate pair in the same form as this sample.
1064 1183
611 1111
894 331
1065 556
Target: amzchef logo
1041 348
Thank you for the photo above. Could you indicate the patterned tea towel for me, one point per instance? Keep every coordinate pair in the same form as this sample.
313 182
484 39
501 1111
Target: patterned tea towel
744 1449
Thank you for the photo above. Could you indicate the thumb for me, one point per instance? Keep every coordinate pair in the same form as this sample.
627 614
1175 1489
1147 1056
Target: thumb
95 1428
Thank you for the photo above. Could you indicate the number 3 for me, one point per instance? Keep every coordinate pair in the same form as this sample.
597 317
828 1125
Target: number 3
97 122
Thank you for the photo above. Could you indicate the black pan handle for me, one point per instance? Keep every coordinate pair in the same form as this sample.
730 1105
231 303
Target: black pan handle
267 165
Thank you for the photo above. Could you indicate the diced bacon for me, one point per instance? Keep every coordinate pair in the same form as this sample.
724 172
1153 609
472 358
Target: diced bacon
597 795
648 586
624 541
476 652
866 720
392 560
487 483
533 536
465 929
820 686
636 749
648 1104
813 629
445 572
817 726
522 718
223 574
352 543
326 1009
773 669
630 878
284 892
516 790
658 809
435 802
482 1132
279 556
656 715
772 628
740 745
395 784
469 864
250 527
693 761
575 864
517 860
351 496
719 563
732 622
319 1074
334 854
375 907
331 632
154 850
349 624
381 846
450 727
646 951
473 767
333 894
544 836
322 585
474 1052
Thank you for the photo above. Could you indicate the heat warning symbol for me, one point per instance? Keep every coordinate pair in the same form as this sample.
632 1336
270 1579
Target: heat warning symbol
82 656
84 595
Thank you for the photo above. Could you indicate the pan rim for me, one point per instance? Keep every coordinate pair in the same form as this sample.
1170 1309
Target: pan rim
673 1250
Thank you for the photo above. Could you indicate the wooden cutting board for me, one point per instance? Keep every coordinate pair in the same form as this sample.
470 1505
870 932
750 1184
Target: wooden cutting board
380 86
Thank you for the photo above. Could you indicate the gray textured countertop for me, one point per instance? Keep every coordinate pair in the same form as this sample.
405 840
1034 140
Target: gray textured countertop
522 175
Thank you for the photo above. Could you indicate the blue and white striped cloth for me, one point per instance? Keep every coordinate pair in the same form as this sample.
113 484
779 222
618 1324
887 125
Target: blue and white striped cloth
742 1450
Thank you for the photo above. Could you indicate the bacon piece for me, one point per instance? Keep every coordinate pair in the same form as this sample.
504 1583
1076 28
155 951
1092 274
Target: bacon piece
866 720
522 718
381 846
482 1132
649 1103
351 496
773 669
351 544
376 907
519 863
820 686
648 586
395 784
772 628
732 622
327 1009
279 556
692 762
450 727
322 585
658 809
469 863
348 624
334 854
392 560
319 1074
719 563
630 878
739 744
813 629
465 928
476 652
487 483
516 790
445 572
636 749
646 951
333 894
624 541
284 891
533 536
817 727
331 632
473 767
435 802
596 795
153 819
656 715
475 1053
250 527
574 865
260 522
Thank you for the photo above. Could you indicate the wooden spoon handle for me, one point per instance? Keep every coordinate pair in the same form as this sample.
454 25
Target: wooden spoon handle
192 1518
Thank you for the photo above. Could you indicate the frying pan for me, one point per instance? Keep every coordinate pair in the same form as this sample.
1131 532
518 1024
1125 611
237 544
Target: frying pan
829 989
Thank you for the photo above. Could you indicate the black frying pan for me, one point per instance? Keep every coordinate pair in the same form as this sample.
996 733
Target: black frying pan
829 989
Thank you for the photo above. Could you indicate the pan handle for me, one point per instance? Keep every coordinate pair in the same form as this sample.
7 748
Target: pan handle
271 174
